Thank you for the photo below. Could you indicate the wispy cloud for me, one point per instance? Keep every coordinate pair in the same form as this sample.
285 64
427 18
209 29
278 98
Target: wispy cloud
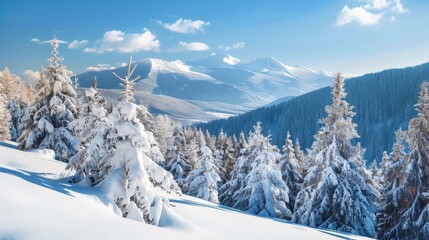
233 46
99 67
118 41
36 40
185 26
371 12
192 46
76 44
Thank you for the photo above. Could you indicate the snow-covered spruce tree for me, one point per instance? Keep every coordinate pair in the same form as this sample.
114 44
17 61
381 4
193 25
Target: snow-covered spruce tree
165 129
385 161
91 114
53 111
176 163
394 175
228 158
238 174
299 155
148 122
122 165
210 142
264 192
91 121
203 181
190 151
412 196
290 172
336 194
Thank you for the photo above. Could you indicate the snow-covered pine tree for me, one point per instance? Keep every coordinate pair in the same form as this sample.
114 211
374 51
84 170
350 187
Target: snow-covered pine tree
149 124
238 174
228 158
190 150
336 194
412 196
91 121
393 177
290 172
203 181
264 192
210 142
53 111
92 113
122 165
384 163
300 158
176 163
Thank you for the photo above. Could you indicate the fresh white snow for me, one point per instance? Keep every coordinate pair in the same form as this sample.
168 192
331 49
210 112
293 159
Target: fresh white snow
35 203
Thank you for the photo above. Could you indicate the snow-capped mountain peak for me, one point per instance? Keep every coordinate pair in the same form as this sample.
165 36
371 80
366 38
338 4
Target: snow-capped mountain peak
231 60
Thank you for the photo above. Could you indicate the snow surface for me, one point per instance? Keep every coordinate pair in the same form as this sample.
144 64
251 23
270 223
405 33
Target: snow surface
36 204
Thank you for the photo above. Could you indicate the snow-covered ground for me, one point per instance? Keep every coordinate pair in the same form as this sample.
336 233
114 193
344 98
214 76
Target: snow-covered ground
36 204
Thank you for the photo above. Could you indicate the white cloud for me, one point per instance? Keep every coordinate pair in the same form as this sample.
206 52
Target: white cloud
359 15
399 8
377 4
185 26
192 46
236 45
35 40
30 77
75 44
118 41
370 12
99 67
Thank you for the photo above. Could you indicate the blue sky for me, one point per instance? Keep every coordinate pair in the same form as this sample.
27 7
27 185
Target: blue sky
354 36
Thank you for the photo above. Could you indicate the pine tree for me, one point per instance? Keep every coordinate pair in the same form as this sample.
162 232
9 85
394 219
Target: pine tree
263 192
290 172
228 158
53 111
120 164
336 194
236 182
203 181
393 177
300 158
92 120
176 164
412 196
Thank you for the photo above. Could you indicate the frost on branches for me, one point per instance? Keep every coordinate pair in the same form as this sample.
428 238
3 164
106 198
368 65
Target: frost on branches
336 194
120 163
412 196
53 111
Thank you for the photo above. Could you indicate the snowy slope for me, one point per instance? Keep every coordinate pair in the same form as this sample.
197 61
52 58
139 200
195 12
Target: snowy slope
35 204
219 78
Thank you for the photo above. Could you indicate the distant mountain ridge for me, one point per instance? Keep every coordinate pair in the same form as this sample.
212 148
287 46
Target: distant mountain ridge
219 85
383 102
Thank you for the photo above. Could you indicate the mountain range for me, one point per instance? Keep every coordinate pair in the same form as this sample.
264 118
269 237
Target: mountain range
214 87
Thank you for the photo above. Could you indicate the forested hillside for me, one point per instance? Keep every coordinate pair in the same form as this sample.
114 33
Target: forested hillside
383 103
